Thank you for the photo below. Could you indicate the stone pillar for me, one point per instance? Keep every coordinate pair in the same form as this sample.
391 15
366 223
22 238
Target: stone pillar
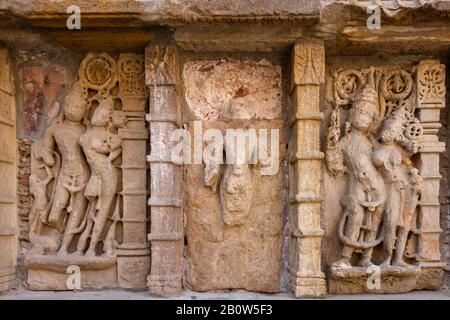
8 173
166 215
308 72
133 255
430 99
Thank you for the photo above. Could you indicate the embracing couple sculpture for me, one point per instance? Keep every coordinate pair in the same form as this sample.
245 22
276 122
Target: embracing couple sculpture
383 187
79 158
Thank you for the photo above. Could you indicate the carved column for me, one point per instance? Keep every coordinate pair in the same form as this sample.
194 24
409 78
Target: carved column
133 255
308 68
166 235
8 150
430 99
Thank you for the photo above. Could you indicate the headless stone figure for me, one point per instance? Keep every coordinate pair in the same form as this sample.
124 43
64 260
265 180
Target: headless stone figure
65 132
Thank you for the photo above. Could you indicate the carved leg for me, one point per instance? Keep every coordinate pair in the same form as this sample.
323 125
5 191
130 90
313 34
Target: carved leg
400 248
103 208
377 217
352 231
79 207
59 203
82 241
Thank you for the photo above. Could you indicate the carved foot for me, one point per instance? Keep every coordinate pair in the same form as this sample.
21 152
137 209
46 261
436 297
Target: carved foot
62 252
90 252
386 263
342 264
401 263
365 263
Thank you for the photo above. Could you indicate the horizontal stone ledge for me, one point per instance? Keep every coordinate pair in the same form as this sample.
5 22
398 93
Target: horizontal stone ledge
436 105
308 233
432 149
436 231
317 116
6 272
429 204
60 263
306 198
133 134
134 193
7 231
127 220
172 236
165 202
427 263
134 167
7 199
318 275
6 121
310 155
151 160
7 159
173 118
434 177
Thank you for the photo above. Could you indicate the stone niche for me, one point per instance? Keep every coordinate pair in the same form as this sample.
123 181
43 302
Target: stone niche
88 181
234 212
381 176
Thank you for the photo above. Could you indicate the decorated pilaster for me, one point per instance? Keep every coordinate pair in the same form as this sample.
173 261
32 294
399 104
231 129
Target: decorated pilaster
166 235
308 71
430 100
8 211
133 255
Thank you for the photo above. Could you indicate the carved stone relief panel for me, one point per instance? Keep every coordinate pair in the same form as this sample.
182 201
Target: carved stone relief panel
77 217
235 219
375 132
234 208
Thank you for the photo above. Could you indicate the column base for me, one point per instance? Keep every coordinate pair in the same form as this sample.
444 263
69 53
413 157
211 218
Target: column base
309 287
165 285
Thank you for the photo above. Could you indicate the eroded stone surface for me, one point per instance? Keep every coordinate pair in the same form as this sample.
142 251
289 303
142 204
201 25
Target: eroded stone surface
231 89
234 231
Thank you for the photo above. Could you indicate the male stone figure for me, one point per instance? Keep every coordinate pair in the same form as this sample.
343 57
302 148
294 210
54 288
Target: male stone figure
65 131
365 195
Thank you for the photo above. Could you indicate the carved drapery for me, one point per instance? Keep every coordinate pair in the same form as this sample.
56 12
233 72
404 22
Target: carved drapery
8 218
308 72
83 212
166 234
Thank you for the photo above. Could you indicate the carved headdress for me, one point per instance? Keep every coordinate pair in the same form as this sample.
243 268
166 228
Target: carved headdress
366 94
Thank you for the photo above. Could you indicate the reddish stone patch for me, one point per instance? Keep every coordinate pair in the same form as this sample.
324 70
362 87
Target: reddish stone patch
40 88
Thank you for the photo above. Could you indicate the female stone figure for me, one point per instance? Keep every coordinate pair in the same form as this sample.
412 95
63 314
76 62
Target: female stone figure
101 147
403 183
365 195
65 131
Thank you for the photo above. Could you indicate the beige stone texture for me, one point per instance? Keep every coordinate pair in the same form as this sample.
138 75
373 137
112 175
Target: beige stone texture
230 89
8 172
243 251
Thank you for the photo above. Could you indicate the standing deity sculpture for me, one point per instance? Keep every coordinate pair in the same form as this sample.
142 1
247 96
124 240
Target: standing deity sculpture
67 198
365 195
383 186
